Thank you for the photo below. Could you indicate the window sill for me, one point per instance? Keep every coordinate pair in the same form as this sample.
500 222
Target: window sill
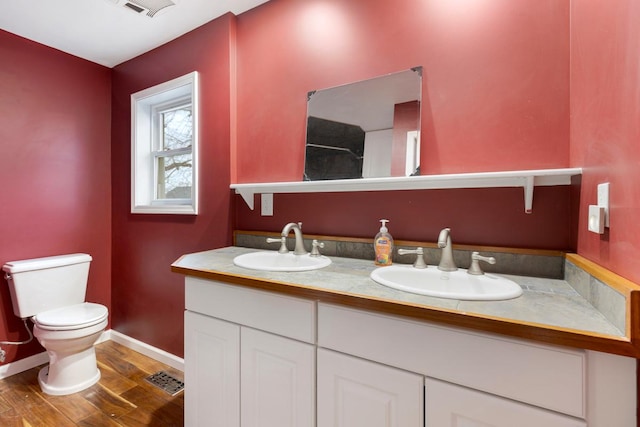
165 209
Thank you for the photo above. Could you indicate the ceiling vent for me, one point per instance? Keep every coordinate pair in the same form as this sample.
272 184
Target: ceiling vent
145 7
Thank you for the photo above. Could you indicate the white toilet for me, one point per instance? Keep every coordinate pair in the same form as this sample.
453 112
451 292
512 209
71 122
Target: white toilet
52 292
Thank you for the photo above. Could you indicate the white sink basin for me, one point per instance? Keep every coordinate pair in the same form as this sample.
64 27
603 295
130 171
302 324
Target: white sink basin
454 285
275 261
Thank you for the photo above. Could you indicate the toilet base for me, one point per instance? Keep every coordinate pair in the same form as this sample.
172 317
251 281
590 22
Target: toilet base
71 374
72 358
43 375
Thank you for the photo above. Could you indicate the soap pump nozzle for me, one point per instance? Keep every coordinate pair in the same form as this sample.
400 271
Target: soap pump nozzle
384 228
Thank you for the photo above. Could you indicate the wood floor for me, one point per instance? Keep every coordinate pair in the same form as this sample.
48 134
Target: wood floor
121 398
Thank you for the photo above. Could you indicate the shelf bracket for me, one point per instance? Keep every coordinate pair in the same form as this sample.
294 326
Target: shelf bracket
528 194
247 196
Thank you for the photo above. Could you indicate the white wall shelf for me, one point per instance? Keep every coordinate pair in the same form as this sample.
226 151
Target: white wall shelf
526 179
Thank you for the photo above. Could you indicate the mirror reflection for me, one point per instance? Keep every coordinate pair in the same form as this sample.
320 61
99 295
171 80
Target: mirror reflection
365 129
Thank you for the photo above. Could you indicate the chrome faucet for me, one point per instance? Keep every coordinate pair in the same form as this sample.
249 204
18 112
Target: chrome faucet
446 260
297 230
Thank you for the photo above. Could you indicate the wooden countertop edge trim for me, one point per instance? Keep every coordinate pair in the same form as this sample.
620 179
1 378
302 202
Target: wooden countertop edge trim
619 283
629 289
518 329
411 243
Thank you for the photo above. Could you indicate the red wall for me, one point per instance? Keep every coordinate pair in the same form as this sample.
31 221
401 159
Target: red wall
286 48
54 168
148 298
605 126
495 81
495 97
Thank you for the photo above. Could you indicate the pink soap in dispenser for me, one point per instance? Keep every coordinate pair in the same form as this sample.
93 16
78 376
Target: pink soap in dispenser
383 245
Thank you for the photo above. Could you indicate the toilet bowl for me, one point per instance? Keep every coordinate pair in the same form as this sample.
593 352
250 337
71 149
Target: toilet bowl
51 291
68 334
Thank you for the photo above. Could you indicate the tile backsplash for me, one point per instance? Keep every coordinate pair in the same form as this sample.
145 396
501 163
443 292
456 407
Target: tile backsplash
603 297
536 263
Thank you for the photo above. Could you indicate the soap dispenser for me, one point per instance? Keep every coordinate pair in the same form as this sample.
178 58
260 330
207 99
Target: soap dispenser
383 245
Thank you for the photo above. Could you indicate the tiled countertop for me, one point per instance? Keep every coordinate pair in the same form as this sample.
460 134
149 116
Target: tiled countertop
549 310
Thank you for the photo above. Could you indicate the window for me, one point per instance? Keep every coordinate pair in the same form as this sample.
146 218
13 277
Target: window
164 148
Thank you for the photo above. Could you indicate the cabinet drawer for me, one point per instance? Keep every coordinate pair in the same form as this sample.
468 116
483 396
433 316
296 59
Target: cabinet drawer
451 405
279 314
545 376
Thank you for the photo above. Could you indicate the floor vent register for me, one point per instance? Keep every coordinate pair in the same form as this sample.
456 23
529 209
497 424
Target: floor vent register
166 382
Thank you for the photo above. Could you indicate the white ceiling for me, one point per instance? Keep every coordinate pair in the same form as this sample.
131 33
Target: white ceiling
108 33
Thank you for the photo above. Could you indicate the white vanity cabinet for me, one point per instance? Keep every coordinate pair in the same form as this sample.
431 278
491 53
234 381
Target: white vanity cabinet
491 381
242 367
255 358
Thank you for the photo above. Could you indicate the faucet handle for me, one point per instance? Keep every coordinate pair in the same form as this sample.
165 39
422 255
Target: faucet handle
474 268
419 258
314 248
283 244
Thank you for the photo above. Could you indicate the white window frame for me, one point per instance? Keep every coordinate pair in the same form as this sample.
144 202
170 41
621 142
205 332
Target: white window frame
144 128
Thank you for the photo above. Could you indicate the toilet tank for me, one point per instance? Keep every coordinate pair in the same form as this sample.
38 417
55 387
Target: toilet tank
42 284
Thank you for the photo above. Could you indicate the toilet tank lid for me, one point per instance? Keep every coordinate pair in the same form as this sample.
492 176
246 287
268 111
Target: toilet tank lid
46 262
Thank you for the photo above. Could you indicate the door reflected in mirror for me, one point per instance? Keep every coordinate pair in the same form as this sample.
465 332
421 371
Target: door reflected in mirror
365 129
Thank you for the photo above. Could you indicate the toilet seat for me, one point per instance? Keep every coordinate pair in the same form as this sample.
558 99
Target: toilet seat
76 316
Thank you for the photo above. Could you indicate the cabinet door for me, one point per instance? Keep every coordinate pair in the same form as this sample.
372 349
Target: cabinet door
277 381
357 393
211 372
449 405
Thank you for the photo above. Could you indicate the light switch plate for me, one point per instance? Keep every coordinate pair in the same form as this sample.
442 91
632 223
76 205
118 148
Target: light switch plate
603 201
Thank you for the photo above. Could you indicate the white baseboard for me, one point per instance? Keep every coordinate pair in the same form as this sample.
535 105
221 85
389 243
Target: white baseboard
132 343
148 350
23 364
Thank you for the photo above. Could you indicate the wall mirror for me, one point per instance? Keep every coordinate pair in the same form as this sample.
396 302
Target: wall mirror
365 129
